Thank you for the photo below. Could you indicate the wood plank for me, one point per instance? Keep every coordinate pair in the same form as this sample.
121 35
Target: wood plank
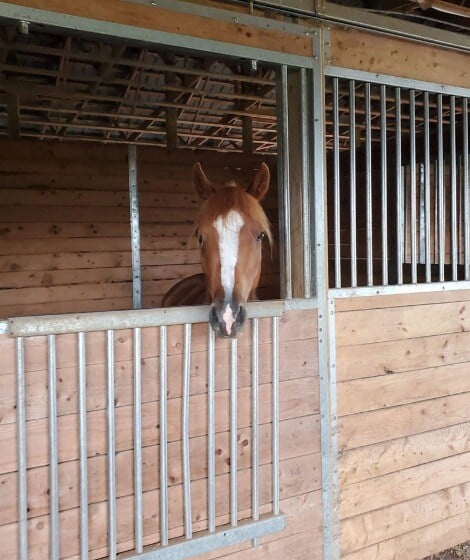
160 19
299 437
406 484
420 543
400 300
361 50
383 524
384 358
298 398
379 325
356 465
361 395
390 423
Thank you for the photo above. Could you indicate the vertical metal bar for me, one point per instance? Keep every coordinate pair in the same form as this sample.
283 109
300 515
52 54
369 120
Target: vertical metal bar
370 263
427 187
112 535
304 117
135 228
442 215
255 422
352 179
337 192
283 185
82 435
163 439
466 187
211 429
188 531
233 434
413 233
453 175
326 352
54 552
399 193
383 164
21 449
275 416
138 508
422 216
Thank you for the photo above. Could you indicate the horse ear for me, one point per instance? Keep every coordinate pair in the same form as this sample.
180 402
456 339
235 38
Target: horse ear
260 184
201 183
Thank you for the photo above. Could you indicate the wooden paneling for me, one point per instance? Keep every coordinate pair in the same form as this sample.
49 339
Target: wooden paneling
299 438
64 239
403 401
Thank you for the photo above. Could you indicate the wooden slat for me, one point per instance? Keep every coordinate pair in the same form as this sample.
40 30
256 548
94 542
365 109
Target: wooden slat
403 485
361 395
420 543
357 465
396 356
377 325
386 523
381 425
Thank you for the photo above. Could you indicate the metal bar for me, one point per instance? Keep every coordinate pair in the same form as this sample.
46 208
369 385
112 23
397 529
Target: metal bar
135 228
233 434
82 436
337 192
394 81
112 540
352 179
54 552
427 188
116 320
384 185
225 536
22 452
285 256
255 422
138 508
163 438
466 188
399 193
441 194
188 531
453 186
370 270
326 351
413 232
211 429
396 290
275 416
304 117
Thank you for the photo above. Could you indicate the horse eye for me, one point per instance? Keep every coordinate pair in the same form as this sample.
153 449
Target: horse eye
260 236
200 239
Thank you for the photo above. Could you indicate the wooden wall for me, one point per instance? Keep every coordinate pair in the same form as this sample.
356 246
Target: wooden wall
64 235
299 440
404 426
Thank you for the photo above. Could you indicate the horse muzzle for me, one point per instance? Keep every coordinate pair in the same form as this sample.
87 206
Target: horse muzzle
227 318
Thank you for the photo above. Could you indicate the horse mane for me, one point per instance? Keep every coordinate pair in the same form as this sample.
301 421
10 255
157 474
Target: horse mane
232 197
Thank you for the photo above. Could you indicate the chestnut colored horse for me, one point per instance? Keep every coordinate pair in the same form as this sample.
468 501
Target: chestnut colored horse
230 228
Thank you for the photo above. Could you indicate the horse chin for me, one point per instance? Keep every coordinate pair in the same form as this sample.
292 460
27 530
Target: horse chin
219 327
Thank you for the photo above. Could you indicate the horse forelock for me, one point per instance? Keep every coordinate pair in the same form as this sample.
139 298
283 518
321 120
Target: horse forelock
233 198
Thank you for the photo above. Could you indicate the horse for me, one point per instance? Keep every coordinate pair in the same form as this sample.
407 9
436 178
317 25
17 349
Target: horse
230 228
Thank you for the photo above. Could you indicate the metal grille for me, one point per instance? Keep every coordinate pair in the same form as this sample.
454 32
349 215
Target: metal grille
399 203
186 538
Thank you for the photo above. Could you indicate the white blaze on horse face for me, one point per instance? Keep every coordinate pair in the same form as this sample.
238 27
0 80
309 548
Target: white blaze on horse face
228 229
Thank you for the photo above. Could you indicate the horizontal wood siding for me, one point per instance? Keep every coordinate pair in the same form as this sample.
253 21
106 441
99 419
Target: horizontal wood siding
65 236
404 424
299 438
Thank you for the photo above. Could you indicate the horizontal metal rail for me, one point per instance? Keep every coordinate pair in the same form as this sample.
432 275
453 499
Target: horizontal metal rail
138 318
224 536
399 289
